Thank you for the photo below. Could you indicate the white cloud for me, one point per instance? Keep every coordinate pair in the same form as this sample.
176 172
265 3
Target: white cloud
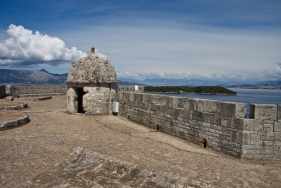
175 49
240 77
25 48
100 55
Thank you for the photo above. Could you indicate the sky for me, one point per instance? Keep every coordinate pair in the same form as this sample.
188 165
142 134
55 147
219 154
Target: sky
220 39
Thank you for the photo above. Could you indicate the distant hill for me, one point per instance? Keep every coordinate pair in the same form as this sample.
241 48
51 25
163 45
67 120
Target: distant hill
30 77
8 76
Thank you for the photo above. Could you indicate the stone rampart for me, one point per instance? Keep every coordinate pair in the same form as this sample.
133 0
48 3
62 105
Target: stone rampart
2 91
223 124
16 90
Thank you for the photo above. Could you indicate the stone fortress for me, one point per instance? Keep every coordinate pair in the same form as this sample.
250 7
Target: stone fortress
91 89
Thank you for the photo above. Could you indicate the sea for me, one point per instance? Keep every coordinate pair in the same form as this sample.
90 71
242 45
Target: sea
248 96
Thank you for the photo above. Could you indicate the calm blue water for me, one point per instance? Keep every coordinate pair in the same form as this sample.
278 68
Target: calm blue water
248 96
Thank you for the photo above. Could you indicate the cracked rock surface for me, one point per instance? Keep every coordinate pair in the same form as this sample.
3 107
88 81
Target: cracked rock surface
91 169
38 153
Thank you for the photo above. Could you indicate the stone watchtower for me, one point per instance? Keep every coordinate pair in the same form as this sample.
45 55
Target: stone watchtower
91 84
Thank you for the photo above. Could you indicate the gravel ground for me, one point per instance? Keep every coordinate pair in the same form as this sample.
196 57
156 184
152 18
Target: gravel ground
53 134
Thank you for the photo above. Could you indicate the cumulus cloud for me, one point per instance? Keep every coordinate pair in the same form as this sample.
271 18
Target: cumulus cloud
100 55
255 77
27 48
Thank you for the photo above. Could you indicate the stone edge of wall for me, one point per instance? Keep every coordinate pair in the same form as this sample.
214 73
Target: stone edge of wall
14 123
16 107
33 89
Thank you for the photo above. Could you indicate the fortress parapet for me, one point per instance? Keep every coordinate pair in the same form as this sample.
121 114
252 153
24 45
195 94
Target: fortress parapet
222 124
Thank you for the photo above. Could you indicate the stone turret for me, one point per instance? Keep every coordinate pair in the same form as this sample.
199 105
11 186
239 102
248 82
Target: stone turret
91 85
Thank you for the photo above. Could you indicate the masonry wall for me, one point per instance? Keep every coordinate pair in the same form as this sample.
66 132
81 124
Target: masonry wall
2 91
16 90
223 124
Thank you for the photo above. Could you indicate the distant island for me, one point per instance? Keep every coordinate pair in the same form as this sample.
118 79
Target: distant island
185 89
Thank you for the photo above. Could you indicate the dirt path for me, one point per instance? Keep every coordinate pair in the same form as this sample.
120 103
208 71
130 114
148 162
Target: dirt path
52 135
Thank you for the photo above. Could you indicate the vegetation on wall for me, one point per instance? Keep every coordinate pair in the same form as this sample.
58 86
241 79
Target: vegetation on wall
186 89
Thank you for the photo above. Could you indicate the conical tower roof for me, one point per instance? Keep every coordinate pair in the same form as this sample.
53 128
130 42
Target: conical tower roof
92 69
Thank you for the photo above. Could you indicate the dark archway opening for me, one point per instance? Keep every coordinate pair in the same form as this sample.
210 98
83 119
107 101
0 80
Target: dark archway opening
80 94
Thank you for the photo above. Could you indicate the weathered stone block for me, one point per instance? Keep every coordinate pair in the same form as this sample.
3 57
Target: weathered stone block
236 136
263 111
198 116
146 98
210 106
182 103
268 138
176 101
277 126
252 125
192 123
226 121
266 152
212 118
127 96
139 97
185 113
262 133
255 137
236 124
192 103
233 109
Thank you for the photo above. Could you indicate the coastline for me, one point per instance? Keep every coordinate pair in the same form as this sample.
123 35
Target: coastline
193 93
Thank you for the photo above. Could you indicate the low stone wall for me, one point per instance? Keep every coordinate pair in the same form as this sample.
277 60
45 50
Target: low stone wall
17 90
14 107
2 91
14 123
131 89
221 123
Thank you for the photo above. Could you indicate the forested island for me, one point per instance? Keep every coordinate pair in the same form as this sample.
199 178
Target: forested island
186 89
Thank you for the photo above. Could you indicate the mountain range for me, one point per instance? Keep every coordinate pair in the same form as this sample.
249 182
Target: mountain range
42 76
11 76
8 76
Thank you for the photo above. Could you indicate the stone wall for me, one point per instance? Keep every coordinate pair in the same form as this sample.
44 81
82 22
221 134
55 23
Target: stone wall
2 91
223 124
16 90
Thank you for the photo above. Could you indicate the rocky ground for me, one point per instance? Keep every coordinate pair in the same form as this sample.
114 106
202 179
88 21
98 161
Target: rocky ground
30 153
